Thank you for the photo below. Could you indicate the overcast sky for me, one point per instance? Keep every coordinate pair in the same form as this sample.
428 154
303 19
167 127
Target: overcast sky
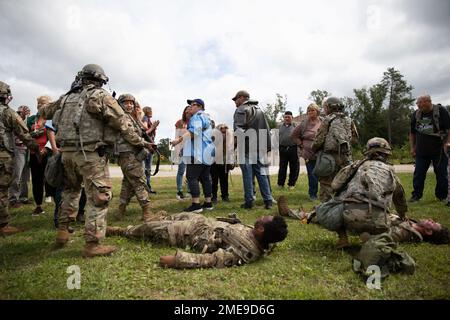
164 52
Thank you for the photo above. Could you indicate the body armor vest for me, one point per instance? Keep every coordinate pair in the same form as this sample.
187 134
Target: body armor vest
75 126
122 145
373 183
339 136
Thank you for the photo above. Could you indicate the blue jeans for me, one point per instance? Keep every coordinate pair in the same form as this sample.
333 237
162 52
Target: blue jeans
313 181
148 168
247 174
440 170
180 174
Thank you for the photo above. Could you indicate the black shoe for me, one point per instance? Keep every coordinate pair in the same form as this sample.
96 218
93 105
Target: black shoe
267 205
37 211
195 207
247 205
214 200
80 218
152 191
208 205
414 199
180 195
448 204
225 199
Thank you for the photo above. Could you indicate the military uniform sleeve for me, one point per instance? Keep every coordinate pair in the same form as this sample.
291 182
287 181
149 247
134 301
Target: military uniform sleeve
319 140
218 259
19 128
49 109
399 198
104 104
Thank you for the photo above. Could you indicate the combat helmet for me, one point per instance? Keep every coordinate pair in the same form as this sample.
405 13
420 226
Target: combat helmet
126 97
5 90
94 71
377 145
334 104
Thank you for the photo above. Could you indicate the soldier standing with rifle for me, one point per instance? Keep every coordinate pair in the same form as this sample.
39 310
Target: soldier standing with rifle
130 161
87 120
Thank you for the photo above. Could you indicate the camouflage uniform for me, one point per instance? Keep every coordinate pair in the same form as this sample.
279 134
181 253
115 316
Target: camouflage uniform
10 122
335 124
369 195
402 230
134 181
97 118
219 244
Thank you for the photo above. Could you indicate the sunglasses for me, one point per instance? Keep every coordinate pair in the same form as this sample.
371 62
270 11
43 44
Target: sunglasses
195 104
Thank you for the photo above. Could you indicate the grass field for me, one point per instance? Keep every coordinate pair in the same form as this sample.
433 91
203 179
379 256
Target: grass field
305 266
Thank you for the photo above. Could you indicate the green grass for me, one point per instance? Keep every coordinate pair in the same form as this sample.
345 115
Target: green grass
304 266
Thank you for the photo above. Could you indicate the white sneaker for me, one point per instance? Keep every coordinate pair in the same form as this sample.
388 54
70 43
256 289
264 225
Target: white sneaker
48 200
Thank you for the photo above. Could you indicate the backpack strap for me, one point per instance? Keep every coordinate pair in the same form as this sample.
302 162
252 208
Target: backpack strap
436 118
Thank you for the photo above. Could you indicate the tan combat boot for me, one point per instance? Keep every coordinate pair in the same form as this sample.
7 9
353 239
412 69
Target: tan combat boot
62 237
9 230
94 249
121 213
148 216
343 240
115 231
283 208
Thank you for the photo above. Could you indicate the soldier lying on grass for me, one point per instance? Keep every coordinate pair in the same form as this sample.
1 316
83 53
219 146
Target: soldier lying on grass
220 242
400 229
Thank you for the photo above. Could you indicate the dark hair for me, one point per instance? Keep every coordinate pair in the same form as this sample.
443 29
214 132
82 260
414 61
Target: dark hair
274 231
288 113
183 116
437 237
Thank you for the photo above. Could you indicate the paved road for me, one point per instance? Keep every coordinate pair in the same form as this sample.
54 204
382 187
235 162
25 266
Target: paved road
171 171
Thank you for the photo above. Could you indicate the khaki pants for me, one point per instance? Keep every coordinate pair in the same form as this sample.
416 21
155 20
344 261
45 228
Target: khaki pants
93 171
6 173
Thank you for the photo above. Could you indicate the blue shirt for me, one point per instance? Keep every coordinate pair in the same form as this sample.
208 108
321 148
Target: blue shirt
201 147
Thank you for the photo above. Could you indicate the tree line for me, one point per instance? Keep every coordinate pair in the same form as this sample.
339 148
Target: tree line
381 110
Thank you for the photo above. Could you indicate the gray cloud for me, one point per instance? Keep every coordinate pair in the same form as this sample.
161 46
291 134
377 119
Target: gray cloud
165 52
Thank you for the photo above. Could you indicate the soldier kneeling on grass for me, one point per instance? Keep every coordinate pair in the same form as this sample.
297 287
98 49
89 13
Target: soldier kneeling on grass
221 242
364 193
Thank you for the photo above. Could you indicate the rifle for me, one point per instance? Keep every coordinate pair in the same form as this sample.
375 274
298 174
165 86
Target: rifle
147 138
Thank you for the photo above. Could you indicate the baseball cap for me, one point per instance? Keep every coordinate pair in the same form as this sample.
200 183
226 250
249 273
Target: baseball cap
199 101
241 93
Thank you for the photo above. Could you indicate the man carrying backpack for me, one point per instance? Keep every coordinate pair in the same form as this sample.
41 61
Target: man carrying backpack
429 133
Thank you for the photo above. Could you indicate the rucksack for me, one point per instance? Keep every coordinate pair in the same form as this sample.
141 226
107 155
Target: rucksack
54 171
381 250
325 165
339 135
435 120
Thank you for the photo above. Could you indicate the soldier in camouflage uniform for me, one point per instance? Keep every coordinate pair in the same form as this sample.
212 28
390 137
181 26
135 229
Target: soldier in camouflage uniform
365 191
87 120
130 161
334 137
400 229
221 242
10 123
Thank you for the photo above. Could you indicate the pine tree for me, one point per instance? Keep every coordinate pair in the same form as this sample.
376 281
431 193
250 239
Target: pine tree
399 101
